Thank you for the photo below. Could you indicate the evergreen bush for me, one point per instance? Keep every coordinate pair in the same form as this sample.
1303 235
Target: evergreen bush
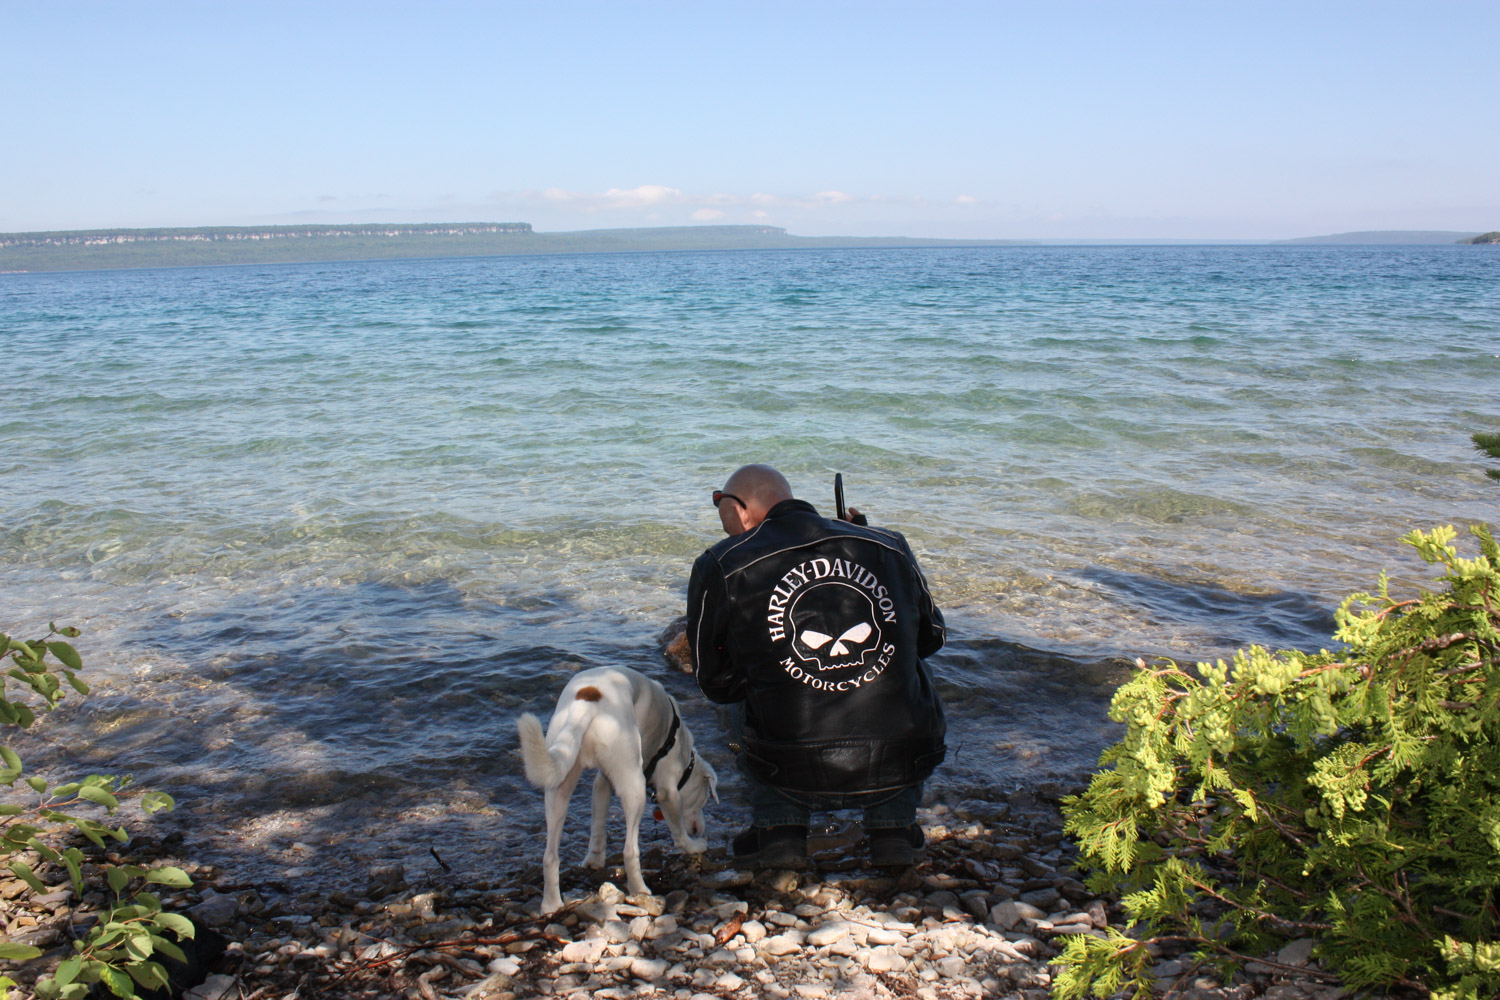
1349 796
123 948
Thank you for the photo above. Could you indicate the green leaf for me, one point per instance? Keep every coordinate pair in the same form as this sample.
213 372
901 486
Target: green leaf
169 949
94 793
10 759
67 970
154 802
76 682
89 829
9 809
177 924
43 850
118 982
24 649
72 632
24 873
38 785
169 876
11 952
66 791
72 859
66 654
25 717
151 975
19 834
105 936
138 946
118 880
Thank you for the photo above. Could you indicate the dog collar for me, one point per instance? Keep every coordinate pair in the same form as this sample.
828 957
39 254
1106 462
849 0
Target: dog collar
667 746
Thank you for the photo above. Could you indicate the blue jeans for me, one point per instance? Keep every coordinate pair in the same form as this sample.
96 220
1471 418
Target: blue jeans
770 806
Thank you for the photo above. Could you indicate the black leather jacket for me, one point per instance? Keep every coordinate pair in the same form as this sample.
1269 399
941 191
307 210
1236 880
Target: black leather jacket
820 627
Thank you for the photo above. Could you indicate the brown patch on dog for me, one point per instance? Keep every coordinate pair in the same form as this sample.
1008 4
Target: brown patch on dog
588 694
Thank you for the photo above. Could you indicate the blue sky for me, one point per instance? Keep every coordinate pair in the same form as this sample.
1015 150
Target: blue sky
1006 120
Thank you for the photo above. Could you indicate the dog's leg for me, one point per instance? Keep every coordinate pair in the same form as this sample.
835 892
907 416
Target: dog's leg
598 841
556 802
632 791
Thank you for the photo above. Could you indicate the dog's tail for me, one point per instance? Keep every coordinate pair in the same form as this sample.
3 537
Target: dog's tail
545 766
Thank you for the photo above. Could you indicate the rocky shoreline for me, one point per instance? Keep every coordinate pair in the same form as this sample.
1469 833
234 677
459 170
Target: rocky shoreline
983 916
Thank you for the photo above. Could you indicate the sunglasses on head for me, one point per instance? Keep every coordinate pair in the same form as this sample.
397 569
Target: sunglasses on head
721 495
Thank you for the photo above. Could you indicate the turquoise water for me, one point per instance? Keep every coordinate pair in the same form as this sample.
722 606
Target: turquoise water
330 527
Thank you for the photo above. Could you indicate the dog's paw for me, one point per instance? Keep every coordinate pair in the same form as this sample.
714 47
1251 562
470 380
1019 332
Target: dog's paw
594 861
551 904
692 845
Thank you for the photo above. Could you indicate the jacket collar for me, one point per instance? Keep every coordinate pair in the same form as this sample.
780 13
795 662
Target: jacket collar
790 507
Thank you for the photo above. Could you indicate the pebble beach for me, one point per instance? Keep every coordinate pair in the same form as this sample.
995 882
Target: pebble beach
984 916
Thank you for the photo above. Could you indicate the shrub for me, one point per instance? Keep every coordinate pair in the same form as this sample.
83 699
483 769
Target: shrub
123 948
1351 796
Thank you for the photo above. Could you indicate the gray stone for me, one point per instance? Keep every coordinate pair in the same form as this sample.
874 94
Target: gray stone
588 952
942 898
497 983
1012 912
598 913
37 937
1035 868
1068 929
1298 952
729 878
216 987
216 910
442 930
782 944
952 967
828 933
1042 897
649 968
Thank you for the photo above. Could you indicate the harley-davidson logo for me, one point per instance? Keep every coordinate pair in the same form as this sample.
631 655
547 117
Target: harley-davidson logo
832 610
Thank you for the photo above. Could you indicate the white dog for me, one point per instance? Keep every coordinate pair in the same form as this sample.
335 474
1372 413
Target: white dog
627 726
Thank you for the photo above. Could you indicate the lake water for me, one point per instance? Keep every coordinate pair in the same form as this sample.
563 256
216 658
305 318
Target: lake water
330 528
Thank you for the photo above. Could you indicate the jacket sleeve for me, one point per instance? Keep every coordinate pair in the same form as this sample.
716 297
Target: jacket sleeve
931 630
708 633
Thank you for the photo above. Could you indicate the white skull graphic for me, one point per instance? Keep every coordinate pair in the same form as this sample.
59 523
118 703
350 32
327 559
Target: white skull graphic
834 626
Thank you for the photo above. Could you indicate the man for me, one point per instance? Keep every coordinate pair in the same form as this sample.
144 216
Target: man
814 631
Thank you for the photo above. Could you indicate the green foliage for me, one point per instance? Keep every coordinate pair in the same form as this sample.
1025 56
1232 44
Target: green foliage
1489 444
1352 797
122 950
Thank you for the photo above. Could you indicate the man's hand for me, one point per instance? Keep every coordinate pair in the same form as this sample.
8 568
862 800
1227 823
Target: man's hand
853 516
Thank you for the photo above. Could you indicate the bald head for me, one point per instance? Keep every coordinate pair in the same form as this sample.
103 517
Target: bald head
758 488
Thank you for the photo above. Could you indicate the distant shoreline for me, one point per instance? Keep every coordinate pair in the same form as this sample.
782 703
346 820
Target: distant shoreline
126 249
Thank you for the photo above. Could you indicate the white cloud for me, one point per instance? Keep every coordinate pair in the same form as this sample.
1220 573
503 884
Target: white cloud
966 199
833 198
707 215
640 197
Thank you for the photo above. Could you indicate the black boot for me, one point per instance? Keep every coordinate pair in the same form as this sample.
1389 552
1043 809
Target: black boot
771 847
900 848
